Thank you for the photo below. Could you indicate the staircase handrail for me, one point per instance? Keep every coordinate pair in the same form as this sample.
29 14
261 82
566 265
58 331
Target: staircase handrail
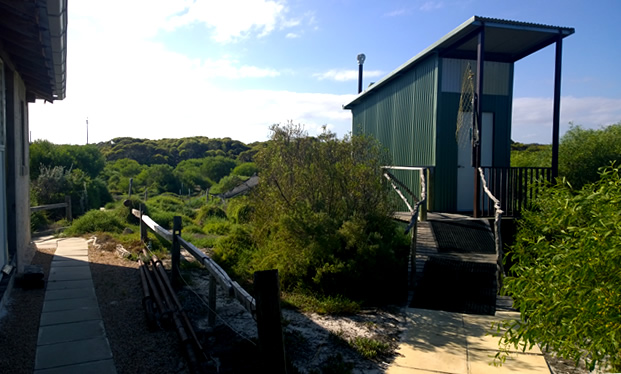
497 232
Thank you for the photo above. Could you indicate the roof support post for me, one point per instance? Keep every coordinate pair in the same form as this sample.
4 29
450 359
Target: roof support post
556 117
477 131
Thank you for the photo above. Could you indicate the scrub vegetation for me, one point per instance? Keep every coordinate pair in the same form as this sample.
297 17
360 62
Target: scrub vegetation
320 216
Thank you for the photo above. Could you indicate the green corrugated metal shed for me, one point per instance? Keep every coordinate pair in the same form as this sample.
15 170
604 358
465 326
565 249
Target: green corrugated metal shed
413 110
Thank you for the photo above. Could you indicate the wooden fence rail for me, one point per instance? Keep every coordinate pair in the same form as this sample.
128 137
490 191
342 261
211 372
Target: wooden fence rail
270 339
221 277
66 205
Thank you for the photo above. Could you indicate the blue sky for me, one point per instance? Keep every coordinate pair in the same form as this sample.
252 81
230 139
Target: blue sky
176 68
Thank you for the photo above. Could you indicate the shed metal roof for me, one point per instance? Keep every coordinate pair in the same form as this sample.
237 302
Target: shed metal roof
505 41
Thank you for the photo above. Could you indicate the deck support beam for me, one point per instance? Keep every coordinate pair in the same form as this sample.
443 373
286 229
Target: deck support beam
556 118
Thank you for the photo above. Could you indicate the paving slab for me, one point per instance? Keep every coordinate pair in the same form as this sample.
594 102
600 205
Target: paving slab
455 343
67 316
70 273
69 353
68 332
480 362
68 257
70 293
72 337
68 262
65 285
95 367
69 304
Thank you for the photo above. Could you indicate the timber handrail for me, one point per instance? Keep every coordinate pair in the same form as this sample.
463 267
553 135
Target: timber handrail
221 277
415 210
66 205
497 230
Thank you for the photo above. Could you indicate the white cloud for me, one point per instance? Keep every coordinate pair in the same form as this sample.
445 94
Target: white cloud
235 20
347 75
226 68
396 13
292 35
532 116
432 5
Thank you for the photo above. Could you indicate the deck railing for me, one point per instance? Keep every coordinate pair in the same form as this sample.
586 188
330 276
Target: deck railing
515 187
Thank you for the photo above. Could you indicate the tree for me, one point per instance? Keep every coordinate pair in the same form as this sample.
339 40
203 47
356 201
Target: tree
160 177
87 158
566 277
321 215
215 168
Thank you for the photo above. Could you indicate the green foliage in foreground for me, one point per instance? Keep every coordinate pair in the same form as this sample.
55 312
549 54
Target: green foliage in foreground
567 273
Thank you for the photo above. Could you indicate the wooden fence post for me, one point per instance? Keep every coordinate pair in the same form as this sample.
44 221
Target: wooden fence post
211 314
68 213
143 227
269 326
176 251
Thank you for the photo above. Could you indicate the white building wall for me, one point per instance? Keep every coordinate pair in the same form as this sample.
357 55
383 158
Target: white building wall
24 250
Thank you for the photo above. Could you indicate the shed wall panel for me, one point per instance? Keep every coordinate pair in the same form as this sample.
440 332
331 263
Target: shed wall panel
497 78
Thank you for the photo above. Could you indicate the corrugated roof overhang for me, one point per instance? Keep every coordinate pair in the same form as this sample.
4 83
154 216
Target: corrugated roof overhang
505 41
34 34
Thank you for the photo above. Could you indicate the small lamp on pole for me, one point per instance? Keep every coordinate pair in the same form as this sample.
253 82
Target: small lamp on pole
361 57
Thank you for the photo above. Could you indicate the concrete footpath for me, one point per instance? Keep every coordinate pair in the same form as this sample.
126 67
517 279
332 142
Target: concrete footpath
72 338
455 343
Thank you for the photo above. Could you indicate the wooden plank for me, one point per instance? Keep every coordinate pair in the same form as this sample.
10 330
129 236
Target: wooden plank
47 207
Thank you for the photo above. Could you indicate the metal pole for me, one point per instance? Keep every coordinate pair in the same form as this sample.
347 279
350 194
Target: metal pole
477 133
557 106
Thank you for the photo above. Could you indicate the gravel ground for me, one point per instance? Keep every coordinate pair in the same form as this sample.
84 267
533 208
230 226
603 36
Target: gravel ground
19 323
314 343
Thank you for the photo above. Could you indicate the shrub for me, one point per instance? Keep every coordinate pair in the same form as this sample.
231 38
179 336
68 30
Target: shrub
209 211
247 169
217 226
240 210
566 281
322 216
95 221
235 251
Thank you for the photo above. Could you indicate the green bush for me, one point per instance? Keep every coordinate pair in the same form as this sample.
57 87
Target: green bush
217 226
170 203
209 211
235 252
246 169
240 209
227 183
566 281
95 221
